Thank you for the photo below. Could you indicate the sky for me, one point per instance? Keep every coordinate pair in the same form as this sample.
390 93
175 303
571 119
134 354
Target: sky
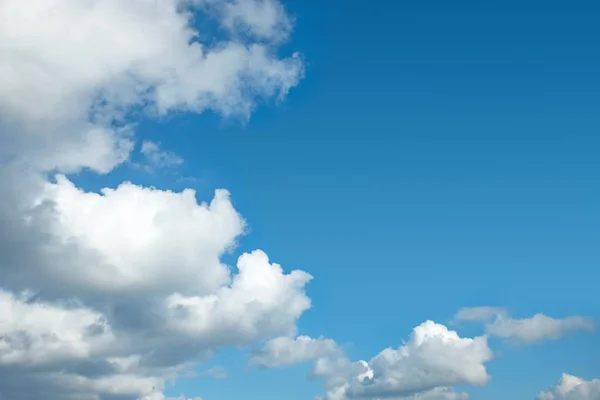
267 199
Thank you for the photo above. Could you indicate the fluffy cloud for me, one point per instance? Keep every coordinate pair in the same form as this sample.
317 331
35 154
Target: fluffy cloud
425 367
527 330
261 302
572 388
132 357
71 71
113 294
433 357
132 240
44 334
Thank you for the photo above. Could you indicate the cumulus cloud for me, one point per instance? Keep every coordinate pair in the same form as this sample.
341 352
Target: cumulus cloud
261 301
114 294
433 357
132 357
572 388
426 367
71 71
45 334
527 330
133 240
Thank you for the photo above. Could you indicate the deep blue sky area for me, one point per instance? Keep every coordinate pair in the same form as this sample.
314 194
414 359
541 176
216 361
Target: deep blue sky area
437 155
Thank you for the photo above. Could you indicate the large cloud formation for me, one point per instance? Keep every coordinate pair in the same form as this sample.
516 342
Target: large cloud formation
110 295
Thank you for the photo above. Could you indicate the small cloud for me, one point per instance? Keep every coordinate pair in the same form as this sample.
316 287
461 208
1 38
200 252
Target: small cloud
158 158
538 328
216 372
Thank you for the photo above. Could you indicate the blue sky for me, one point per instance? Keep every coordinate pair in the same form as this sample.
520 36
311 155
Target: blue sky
436 155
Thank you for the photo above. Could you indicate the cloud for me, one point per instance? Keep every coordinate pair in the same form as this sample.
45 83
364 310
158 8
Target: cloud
72 72
572 388
157 157
130 358
426 367
261 301
38 334
286 351
112 295
527 330
433 357
441 393
265 19
133 240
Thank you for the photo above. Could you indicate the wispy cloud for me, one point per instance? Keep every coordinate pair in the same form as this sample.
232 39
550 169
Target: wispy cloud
525 330
158 158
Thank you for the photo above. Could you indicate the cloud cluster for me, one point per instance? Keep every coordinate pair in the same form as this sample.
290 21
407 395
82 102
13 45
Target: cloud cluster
71 72
527 330
430 364
425 367
111 295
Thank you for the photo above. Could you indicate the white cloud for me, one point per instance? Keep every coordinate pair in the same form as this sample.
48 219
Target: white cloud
441 393
426 367
433 357
70 70
125 289
527 330
572 388
285 351
134 239
39 333
265 18
157 157
261 301
539 327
